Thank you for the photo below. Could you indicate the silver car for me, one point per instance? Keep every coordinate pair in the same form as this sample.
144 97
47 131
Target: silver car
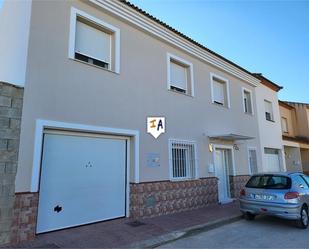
285 195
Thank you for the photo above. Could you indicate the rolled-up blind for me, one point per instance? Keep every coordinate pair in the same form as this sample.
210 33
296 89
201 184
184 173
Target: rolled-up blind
92 42
218 90
178 76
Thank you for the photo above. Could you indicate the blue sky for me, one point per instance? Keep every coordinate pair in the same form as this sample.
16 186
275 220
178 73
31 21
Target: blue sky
270 37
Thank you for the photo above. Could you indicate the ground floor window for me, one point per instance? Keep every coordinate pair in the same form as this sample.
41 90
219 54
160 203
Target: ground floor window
253 161
182 159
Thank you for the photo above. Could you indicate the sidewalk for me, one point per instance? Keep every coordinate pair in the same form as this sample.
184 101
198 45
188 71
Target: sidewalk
143 233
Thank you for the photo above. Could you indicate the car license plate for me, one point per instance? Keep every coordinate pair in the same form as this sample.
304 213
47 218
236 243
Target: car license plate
264 197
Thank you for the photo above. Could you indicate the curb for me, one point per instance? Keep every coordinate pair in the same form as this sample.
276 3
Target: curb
186 232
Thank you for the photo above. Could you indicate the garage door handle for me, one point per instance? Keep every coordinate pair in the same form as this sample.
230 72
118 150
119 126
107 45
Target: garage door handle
57 209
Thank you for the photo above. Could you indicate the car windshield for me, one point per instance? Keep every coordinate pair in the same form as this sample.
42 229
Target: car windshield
269 182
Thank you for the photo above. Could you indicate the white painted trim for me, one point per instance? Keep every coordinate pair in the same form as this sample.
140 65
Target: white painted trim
248 149
38 143
223 146
243 89
128 178
170 57
116 33
227 85
192 142
127 14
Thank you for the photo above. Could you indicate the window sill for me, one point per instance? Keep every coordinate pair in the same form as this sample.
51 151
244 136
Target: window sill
269 120
183 179
92 65
249 114
184 94
223 106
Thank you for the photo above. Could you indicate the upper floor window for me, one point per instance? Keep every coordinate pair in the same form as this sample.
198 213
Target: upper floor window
182 159
219 90
180 75
269 114
94 41
284 125
247 101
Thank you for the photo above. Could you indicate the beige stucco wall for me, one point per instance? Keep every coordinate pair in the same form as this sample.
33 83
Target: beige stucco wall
270 132
61 89
290 116
305 159
302 119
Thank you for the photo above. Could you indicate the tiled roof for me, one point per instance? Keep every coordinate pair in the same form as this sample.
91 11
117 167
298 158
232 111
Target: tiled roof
267 82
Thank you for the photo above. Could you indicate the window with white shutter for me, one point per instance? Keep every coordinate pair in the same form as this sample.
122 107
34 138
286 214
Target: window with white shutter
268 110
182 159
180 75
219 90
93 43
284 125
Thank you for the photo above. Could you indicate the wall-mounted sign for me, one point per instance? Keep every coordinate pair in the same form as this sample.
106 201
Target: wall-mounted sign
155 126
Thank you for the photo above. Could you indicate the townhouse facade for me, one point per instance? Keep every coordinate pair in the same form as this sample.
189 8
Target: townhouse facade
75 97
295 133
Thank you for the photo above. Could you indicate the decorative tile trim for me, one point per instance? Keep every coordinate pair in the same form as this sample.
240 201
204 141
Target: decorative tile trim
24 217
237 183
165 197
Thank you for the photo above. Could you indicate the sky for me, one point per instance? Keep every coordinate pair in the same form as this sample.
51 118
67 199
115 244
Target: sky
268 37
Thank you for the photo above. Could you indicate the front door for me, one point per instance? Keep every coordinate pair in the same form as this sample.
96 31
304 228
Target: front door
221 164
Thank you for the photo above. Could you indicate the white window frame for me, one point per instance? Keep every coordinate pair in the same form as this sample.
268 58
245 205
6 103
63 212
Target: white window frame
255 149
75 13
227 88
170 57
251 100
287 126
272 111
170 142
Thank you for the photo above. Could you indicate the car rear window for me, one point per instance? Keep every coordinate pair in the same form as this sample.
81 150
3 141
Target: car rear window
269 182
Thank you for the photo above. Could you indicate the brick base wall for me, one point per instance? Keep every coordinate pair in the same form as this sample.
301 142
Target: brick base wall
237 183
11 100
24 217
158 198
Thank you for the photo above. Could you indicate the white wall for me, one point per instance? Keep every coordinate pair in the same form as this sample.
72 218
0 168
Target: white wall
270 132
14 33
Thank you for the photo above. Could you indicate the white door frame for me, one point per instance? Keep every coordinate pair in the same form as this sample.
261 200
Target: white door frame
248 150
55 125
226 147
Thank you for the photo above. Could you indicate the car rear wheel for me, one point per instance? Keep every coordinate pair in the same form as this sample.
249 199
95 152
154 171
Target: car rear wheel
303 221
249 216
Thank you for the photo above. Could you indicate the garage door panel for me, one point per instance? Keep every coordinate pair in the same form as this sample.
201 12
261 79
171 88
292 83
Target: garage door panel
85 176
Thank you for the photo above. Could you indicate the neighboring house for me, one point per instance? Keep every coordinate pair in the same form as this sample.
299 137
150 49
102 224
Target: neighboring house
92 72
295 133
269 125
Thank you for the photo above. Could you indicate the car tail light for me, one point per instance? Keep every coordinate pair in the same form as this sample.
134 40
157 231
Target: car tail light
291 195
242 192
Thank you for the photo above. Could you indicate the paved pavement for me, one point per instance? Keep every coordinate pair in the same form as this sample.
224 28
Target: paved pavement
123 233
264 232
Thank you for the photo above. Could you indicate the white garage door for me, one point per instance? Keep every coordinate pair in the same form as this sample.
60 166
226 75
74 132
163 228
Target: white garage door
272 160
83 180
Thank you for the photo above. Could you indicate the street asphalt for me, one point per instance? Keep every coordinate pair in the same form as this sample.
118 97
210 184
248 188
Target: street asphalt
263 232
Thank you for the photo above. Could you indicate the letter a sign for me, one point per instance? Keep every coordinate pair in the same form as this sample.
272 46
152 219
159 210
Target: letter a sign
155 126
